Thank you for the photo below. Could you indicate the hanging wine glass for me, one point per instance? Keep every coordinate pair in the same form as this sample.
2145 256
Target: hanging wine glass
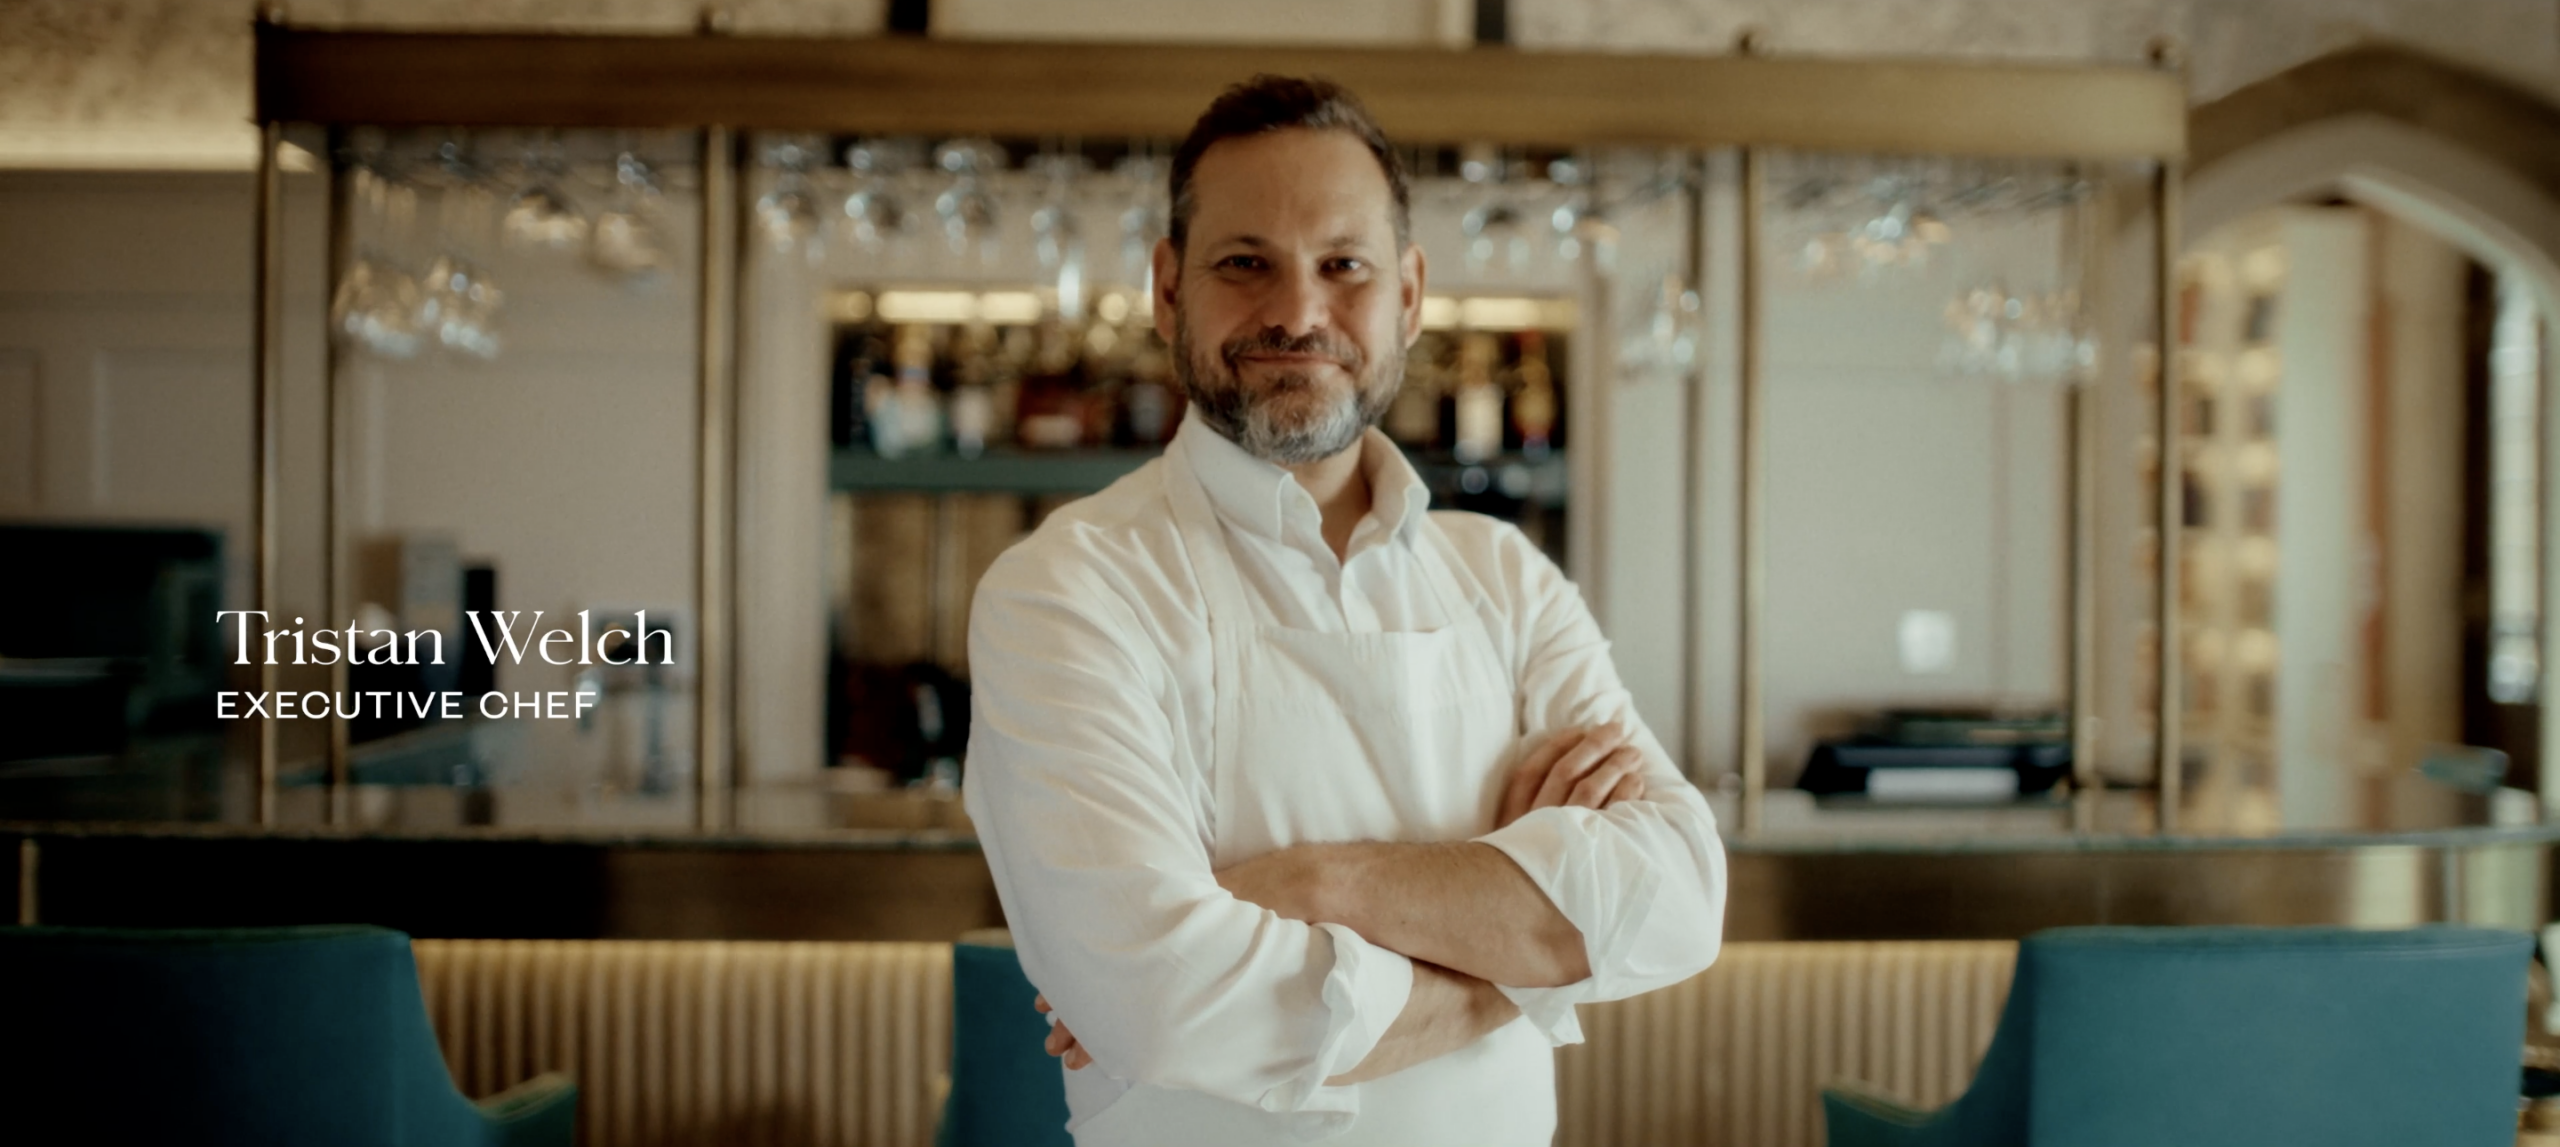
1661 345
1497 229
459 307
542 215
1574 215
458 304
1977 330
1143 220
629 238
968 210
787 213
466 206
874 213
376 305
1057 236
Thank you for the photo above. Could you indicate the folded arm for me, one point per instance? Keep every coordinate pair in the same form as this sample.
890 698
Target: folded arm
1096 835
1580 900
1463 905
1445 1011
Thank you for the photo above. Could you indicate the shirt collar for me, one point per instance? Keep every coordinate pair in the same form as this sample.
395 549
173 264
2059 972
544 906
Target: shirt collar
1260 498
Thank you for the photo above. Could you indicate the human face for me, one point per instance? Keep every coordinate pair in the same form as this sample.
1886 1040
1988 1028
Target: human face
1290 307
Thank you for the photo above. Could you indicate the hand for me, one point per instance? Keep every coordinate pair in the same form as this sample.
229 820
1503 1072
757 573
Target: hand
1061 1042
1588 766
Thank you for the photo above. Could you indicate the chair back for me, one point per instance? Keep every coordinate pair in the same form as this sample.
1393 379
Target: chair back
267 1036
2208 1037
1005 1090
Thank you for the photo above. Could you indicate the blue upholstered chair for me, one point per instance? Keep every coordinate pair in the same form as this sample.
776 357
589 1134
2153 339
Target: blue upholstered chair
2236 1037
1005 1090
275 1037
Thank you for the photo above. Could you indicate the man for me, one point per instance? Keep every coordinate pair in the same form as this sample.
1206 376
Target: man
1314 814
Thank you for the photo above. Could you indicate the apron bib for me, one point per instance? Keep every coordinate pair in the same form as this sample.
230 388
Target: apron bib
1330 737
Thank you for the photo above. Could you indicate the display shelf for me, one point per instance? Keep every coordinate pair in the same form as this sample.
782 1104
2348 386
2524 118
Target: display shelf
1027 472
1541 482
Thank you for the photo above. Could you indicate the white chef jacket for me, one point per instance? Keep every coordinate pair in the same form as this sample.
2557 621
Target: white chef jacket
1088 783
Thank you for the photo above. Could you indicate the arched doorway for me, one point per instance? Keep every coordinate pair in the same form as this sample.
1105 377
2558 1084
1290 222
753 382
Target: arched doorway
2351 167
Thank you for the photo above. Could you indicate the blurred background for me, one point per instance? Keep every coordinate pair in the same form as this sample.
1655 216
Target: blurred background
489 351
2148 525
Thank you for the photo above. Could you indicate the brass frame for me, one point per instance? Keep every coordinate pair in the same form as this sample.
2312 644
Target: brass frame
268 356
1751 714
903 85
716 483
724 85
334 594
2169 738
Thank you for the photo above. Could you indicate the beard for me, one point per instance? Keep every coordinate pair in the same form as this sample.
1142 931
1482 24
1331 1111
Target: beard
1290 421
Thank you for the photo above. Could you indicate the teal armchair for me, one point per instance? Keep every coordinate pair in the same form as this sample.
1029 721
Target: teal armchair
277 1037
2236 1037
1006 1091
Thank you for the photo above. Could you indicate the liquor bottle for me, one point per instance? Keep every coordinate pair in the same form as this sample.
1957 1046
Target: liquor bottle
859 355
973 408
1476 401
1052 410
1150 409
1533 408
1413 418
919 420
881 411
1106 353
1011 362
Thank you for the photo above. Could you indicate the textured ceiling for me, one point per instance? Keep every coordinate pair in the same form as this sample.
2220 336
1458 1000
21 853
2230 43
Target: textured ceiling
142 77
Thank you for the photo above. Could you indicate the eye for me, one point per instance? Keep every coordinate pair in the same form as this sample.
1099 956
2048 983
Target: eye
1240 263
1346 265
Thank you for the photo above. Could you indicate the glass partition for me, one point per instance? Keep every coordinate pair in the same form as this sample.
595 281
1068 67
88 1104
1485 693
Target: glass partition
1930 345
516 368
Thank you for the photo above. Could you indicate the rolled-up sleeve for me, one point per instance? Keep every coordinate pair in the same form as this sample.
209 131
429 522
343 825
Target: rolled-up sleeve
1093 821
1643 880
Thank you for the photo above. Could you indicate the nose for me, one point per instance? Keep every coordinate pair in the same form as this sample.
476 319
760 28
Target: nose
1295 303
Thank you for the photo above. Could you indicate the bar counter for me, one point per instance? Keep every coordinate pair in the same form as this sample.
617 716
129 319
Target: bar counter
931 884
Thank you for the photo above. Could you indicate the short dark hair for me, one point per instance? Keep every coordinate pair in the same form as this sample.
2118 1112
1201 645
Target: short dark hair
1268 103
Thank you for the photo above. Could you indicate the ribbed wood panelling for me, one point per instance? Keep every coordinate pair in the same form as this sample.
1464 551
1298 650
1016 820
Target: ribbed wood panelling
704 1042
1738 1056
693 1042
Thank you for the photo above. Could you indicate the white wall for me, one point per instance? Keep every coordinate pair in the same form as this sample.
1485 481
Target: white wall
1895 486
126 386
126 391
2322 583
2420 279
569 462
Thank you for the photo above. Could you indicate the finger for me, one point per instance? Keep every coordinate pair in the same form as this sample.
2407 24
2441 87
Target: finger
1533 768
1593 789
1040 1004
1078 1060
1630 788
1585 754
1578 755
1058 1041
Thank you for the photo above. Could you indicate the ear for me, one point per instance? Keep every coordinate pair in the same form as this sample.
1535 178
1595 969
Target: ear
1412 271
1167 264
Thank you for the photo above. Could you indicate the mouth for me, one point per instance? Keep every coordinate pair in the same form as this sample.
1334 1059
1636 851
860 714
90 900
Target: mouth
1294 360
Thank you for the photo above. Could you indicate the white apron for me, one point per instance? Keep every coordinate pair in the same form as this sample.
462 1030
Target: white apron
1327 737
